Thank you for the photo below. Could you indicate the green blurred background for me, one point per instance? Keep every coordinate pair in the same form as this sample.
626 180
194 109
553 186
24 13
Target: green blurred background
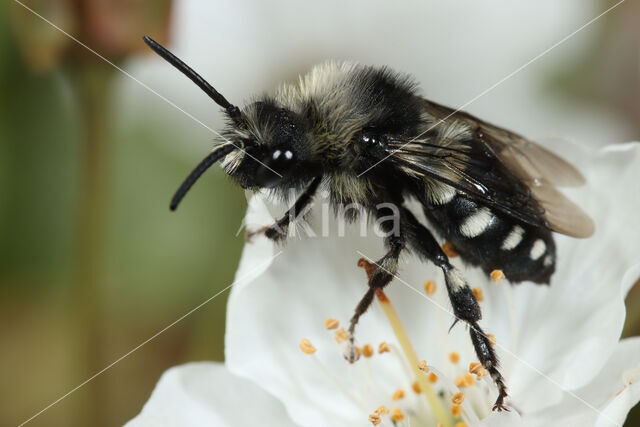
92 263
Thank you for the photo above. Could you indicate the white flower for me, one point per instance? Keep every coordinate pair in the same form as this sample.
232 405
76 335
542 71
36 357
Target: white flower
559 345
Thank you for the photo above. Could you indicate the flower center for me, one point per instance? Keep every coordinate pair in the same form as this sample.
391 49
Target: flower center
427 395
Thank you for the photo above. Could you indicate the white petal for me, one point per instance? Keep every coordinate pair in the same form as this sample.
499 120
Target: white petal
584 307
207 394
606 400
561 335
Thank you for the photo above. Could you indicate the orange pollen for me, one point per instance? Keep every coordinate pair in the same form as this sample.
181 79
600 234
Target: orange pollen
341 335
383 347
433 378
382 410
430 287
367 350
474 367
399 394
477 292
457 398
416 387
331 324
465 380
449 250
375 419
454 357
461 424
496 275
492 339
307 347
423 366
481 373
397 415
456 410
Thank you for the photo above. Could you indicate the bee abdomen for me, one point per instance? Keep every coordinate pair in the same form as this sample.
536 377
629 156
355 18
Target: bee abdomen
495 241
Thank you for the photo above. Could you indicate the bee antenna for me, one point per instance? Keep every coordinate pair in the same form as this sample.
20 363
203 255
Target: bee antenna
232 110
205 164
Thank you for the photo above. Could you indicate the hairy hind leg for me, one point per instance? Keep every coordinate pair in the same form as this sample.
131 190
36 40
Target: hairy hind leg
465 305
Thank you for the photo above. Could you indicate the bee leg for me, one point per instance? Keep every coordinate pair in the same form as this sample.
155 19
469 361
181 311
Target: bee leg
379 273
278 230
465 305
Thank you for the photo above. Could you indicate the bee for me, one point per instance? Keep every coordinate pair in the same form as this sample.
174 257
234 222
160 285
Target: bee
366 135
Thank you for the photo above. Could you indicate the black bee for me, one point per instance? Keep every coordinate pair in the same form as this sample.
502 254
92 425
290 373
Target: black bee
366 134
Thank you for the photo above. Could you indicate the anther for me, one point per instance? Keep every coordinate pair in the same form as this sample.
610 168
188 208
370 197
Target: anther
307 347
456 410
492 339
382 410
465 380
416 387
375 419
461 424
457 398
383 347
477 292
341 335
367 351
397 415
481 373
423 366
399 394
454 357
449 250
496 275
433 378
474 367
331 324
430 287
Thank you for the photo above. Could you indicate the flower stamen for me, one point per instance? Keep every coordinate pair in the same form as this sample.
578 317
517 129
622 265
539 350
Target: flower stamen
341 335
397 415
496 275
399 394
430 287
331 324
457 398
401 335
307 347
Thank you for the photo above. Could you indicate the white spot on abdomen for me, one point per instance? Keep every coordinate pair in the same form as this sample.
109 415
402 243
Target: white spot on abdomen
538 249
513 239
475 224
548 260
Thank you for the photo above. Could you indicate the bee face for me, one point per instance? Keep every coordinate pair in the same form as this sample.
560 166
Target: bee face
276 146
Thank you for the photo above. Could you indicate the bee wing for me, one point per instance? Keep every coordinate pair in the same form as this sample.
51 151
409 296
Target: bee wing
497 167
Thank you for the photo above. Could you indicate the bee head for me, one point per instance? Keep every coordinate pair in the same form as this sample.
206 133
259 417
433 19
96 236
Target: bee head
264 145
274 147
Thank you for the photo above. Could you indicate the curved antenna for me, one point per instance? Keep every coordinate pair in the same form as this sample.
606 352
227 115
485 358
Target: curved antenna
205 164
232 110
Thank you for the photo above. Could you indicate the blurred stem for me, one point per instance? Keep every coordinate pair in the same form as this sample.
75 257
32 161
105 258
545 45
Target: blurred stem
92 92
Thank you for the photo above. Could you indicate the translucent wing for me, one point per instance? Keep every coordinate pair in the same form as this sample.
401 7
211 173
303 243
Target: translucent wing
498 167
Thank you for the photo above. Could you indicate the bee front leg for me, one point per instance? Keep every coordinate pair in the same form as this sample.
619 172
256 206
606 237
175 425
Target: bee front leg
464 303
379 273
278 230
